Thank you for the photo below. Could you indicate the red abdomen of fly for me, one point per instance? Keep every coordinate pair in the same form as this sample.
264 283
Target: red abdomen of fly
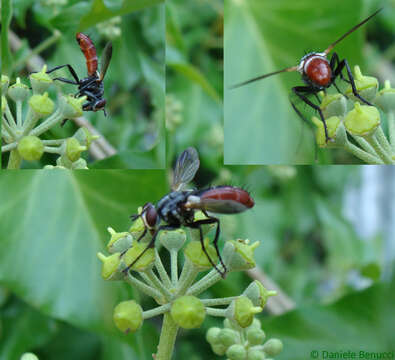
226 200
318 70
89 51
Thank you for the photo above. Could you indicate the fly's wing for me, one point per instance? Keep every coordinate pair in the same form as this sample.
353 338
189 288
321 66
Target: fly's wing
105 60
186 166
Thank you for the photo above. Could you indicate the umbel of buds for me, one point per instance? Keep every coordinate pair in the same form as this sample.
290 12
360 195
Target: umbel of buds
177 291
357 127
35 114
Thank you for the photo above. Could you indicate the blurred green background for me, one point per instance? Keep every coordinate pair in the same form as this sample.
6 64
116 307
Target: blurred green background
135 82
54 302
262 36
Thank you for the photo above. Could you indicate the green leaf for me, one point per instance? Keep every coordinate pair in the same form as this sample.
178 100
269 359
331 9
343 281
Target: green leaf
56 223
262 36
361 321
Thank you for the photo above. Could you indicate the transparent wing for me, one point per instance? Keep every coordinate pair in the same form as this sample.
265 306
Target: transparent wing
186 166
105 60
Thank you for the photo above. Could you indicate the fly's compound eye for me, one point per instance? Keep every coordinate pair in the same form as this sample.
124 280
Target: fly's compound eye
150 216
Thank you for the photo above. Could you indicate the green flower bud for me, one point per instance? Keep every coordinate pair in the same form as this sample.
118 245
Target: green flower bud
51 167
255 336
228 337
128 316
173 240
239 255
197 257
5 81
74 149
137 228
256 324
18 91
40 81
366 85
333 105
71 107
218 349
84 137
258 294
332 125
111 266
29 356
195 233
119 242
80 164
30 148
41 105
256 354
188 312
236 352
386 98
212 335
273 347
145 262
242 311
362 120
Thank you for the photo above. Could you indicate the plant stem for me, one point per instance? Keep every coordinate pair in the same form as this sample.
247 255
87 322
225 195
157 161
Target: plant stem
9 147
219 301
150 291
52 150
363 155
19 113
154 279
364 144
161 271
391 129
216 312
174 267
383 141
48 123
15 160
188 275
157 311
204 283
372 140
167 339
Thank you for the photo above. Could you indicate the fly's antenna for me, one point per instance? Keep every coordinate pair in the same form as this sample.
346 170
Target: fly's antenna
350 31
289 69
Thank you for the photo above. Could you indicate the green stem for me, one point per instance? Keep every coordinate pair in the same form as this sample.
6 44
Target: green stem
188 275
204 283
391 129
52 150
15 160
383 141
219 301
216 312
8 130
372 140
10 117
148 290
19 113
157 311
38 49
365 145
167 339
9 147
174 266
53 142
30 121
161 271
154 279
48 123
359 153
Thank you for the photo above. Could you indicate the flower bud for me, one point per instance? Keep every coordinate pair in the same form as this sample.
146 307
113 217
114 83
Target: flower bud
236 352
40 81
18 91
197 257
5 81
119 242
84 136
173 240
30 148
258 294
218 349
195 233
80 164
29 356
239 255
366 86
41 105
212 335
255 336
145 262
332 125
137 228
362 120
110 267
71 107
273 347
73 149
386 98
256 354
242 311
333 105
188 312
228 337
128 316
